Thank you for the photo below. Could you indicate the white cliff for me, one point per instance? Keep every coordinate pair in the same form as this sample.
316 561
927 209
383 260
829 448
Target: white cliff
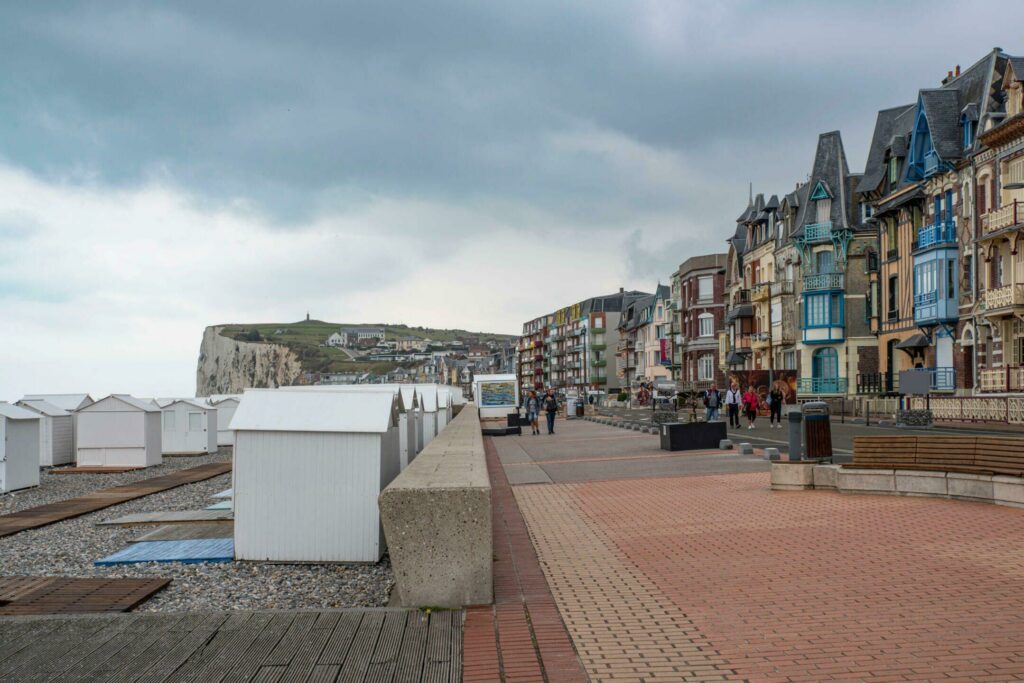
227 366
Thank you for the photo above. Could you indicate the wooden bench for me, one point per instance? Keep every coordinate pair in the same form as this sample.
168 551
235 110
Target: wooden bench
958 454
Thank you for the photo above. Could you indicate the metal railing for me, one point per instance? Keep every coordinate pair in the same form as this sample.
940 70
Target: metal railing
926 299
823 281
1006 378
818 232
877 383
821 385
937 233
942 379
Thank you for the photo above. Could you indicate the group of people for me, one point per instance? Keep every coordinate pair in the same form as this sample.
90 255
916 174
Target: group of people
548 404
749 401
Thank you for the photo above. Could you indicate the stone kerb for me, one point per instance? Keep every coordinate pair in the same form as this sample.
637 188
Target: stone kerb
437 521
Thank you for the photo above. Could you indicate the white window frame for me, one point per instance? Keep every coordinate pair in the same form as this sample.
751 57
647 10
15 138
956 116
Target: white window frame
710 320
705 367
705 282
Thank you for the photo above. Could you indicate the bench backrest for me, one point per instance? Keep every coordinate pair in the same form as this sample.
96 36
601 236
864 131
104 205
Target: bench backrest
982 454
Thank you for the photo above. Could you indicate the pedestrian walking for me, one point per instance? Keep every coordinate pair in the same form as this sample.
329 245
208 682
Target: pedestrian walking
550 406
533 412
733 399
712 402
775 398
750 401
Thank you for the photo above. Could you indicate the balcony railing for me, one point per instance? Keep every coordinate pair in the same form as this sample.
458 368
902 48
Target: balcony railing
877 383
1003 217
598 347
762 290
1006 378
598 363
596 330
823 281
821 385
818 232
925 299
937 233
942 379
931 163
741 296
1010 295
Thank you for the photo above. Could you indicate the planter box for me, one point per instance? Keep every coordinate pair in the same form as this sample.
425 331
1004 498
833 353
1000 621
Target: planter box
1008 490
866 481
826 476
680 436
970 486
792 476
914 483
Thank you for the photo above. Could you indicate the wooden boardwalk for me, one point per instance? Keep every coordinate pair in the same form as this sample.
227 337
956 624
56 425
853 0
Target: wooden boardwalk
36 595
42 515
385 645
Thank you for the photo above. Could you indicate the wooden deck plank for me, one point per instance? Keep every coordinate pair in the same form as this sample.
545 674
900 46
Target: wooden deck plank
187 532
42 515
341 639
414 647
249 663
288 646
170 517
358 659
224 658
301 667
384 659
60 595
438 660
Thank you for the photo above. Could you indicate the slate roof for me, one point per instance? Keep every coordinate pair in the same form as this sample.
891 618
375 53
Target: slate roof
941 107
830 167
881 140
773 203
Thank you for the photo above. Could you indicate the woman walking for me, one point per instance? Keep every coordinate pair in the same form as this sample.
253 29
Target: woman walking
750 402
533 411
775 398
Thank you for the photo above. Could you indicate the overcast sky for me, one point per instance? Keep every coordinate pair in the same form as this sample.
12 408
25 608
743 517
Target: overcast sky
168 166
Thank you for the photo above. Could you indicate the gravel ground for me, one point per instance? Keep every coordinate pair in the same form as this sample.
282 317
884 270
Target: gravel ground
70 547
56 487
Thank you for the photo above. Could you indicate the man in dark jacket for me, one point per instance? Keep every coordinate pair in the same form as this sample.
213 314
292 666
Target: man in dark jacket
712 403
550 407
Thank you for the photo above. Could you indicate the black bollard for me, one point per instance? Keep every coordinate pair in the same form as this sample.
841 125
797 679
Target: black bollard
796 419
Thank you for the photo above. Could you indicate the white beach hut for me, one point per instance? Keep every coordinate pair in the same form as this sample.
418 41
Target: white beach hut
226 406
414 410
496 395
189 426
308 467
19 447
56 432
406 435
119 431
69 402
428 403
444 407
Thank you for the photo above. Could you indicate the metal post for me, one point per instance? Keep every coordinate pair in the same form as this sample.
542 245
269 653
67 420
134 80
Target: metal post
867 413
843 408
796 418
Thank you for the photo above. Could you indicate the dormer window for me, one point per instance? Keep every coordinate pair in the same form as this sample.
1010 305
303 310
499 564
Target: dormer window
894 170
968 131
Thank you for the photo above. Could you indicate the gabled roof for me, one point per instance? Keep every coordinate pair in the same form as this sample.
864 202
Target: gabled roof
65 401
392 388
772 203
13 412
194 402
44 407
831 171
821 191
128 400
941 108
316 411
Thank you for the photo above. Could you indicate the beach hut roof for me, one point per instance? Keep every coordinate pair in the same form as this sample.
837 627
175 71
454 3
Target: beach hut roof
316 411
44 407
13 412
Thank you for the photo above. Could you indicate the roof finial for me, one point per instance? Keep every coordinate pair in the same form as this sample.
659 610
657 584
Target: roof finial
750 193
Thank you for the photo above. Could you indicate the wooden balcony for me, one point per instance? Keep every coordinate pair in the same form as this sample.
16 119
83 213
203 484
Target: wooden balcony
1003 298
1003 217
823 281
818 232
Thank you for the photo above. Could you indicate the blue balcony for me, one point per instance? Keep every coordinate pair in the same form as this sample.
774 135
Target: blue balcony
943 233
819 282
942 379
821 385
818 232
931 163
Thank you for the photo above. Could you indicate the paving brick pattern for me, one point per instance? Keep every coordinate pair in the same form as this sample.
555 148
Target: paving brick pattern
522 636
683 577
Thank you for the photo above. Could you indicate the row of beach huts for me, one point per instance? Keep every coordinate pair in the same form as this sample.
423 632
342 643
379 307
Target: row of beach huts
308 461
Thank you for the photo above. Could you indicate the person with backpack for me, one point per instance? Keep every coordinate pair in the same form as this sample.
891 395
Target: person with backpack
712 401
775 398
533 411
750 403
733 399
550 406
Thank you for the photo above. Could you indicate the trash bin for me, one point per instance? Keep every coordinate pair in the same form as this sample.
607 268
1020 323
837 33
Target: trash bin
688 436
579 408
817 431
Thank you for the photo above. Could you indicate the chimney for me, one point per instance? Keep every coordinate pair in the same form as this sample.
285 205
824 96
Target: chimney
948 78
957 73
622 290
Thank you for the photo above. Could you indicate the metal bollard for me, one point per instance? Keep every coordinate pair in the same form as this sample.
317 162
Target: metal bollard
796 419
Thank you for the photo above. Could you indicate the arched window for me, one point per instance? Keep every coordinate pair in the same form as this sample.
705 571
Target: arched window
825 366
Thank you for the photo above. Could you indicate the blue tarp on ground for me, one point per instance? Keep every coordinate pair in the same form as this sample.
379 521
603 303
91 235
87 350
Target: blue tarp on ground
223 505
186 552
226 493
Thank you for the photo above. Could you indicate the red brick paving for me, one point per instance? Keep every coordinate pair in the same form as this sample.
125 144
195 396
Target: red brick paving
522 636
690 578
